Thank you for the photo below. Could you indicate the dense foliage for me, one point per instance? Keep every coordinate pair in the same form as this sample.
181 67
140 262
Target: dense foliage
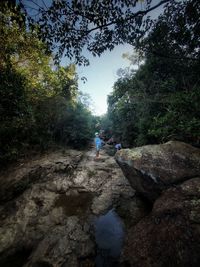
160 101
39 102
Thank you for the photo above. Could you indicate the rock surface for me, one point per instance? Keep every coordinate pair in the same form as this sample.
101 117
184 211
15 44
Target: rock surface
168 177
170 235
15 181
153 168
48 204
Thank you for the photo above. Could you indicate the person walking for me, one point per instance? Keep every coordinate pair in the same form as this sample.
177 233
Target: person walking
98 144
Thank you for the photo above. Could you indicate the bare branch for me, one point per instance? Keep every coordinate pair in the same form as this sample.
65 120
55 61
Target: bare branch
36 4
44 4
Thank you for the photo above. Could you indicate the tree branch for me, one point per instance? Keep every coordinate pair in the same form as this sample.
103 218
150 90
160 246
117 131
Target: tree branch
131 17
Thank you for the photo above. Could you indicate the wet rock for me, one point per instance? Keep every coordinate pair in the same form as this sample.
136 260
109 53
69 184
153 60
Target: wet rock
114 187
132 210
153 168
15 182
49 216
170 235
59 183
27 218
63 242
102 203
16 258
41 264
75 203
30 222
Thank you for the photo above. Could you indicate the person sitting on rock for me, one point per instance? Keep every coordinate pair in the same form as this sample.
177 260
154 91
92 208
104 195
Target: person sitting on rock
118 146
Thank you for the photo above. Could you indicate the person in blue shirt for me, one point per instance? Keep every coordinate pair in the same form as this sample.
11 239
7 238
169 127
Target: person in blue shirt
98 144
118 146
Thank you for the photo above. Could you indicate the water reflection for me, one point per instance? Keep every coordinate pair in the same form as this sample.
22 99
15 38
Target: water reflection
109 236
75 204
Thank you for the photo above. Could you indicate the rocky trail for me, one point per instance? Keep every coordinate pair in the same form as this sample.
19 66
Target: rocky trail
49 207
65 209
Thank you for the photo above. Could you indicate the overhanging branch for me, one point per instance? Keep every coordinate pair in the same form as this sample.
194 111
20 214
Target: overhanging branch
131 17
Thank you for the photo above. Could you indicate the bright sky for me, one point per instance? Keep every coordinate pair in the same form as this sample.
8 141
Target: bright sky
101 75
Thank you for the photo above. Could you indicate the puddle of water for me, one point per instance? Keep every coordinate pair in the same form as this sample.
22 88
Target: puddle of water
75 204
109 237
17 259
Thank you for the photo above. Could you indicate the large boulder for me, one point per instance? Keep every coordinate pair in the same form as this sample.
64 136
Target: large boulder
153 168
170 235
